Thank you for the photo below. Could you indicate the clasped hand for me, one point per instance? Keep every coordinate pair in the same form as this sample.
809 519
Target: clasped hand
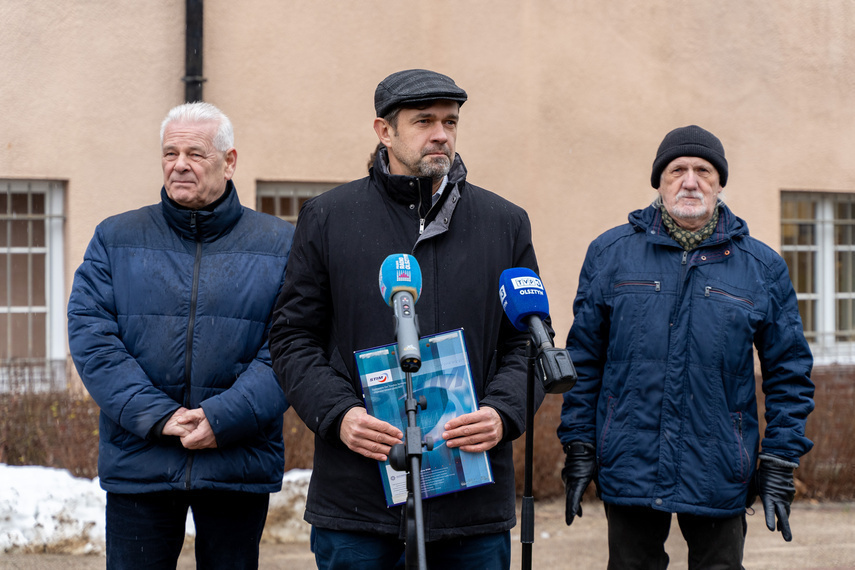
192 428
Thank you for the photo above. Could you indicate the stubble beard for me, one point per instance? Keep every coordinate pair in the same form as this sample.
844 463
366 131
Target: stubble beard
434 167
427 164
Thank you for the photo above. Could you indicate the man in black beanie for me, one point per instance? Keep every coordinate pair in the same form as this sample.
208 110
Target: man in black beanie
663 417
416 199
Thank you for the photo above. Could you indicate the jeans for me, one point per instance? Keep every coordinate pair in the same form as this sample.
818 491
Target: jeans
339 550
146 531
637 538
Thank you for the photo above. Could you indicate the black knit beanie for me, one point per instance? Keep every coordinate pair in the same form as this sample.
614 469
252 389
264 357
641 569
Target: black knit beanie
689 141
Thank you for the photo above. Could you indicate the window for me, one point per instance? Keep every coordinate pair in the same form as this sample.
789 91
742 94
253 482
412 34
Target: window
818 244
284 199
32 296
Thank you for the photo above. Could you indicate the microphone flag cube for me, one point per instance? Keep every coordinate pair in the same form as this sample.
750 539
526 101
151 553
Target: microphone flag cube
522 295
400 272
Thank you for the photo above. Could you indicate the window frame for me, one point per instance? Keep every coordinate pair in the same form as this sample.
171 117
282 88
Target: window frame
37 372
297 192
824 337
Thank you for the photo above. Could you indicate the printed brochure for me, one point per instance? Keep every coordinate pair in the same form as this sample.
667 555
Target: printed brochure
445 380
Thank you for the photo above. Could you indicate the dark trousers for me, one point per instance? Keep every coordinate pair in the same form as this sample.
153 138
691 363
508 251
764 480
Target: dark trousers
637 538
339 550
146 531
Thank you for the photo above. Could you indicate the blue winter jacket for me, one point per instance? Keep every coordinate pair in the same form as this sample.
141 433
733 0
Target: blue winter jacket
662 342
170 308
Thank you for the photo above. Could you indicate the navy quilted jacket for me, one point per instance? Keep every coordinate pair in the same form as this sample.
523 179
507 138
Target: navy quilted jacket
171 308
663 344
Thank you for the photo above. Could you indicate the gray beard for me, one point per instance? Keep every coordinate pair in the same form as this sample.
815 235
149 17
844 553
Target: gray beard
435 168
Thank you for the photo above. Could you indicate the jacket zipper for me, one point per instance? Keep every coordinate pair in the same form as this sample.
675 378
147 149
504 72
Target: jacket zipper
683 275
708 290
188 347
423 219
657 285
737 429
606 425
684 269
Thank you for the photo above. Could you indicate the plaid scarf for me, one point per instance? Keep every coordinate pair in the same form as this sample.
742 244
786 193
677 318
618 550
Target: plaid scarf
688 240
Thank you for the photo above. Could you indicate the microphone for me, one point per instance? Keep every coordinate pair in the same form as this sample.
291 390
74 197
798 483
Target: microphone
524 301
401 285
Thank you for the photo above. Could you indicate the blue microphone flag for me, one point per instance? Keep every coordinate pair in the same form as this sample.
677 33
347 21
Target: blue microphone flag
400 272
522 295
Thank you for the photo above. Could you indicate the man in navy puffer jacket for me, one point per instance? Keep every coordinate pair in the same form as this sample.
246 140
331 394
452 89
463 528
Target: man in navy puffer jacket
664 415
168 321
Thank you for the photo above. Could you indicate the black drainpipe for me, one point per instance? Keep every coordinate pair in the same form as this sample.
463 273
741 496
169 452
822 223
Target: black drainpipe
193 78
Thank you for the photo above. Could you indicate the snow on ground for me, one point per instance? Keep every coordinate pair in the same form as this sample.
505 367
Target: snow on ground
47 510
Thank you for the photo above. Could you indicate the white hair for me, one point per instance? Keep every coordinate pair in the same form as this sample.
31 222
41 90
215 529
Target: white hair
199 112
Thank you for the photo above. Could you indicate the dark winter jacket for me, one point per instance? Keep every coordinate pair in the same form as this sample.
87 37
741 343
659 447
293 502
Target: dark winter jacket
331 305
171 308
662 342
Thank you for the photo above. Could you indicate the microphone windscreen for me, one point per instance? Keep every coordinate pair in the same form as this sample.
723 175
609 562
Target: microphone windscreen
400 272
522 295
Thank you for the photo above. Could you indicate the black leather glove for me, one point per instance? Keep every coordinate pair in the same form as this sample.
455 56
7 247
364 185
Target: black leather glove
578 471
776 489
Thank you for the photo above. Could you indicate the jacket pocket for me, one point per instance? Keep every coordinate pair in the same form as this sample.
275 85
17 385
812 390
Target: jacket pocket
338 365
726 319
638 285
722 295
610 410
741 460
637 299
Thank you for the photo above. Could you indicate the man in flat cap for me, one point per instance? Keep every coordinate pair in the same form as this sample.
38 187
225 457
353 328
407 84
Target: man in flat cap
664 414
416 200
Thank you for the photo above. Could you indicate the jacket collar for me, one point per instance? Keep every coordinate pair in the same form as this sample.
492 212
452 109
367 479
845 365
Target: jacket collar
413 189
649 221
203 225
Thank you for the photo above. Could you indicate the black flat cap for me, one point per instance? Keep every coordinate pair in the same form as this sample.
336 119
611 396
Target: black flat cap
689 141
414 86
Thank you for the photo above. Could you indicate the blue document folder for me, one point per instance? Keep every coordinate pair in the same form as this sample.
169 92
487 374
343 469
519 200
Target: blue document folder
445 380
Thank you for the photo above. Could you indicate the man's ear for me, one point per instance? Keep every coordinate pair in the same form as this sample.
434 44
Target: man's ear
231 163
384 131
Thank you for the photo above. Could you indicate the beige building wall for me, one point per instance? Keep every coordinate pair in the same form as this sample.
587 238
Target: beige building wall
568 100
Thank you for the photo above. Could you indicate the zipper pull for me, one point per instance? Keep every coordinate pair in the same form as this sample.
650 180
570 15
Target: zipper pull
658 285
193 222
685 256
707 291
421 226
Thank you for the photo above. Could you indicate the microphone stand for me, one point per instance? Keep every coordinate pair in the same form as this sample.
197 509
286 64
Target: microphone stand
557 375
408 457
527 514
